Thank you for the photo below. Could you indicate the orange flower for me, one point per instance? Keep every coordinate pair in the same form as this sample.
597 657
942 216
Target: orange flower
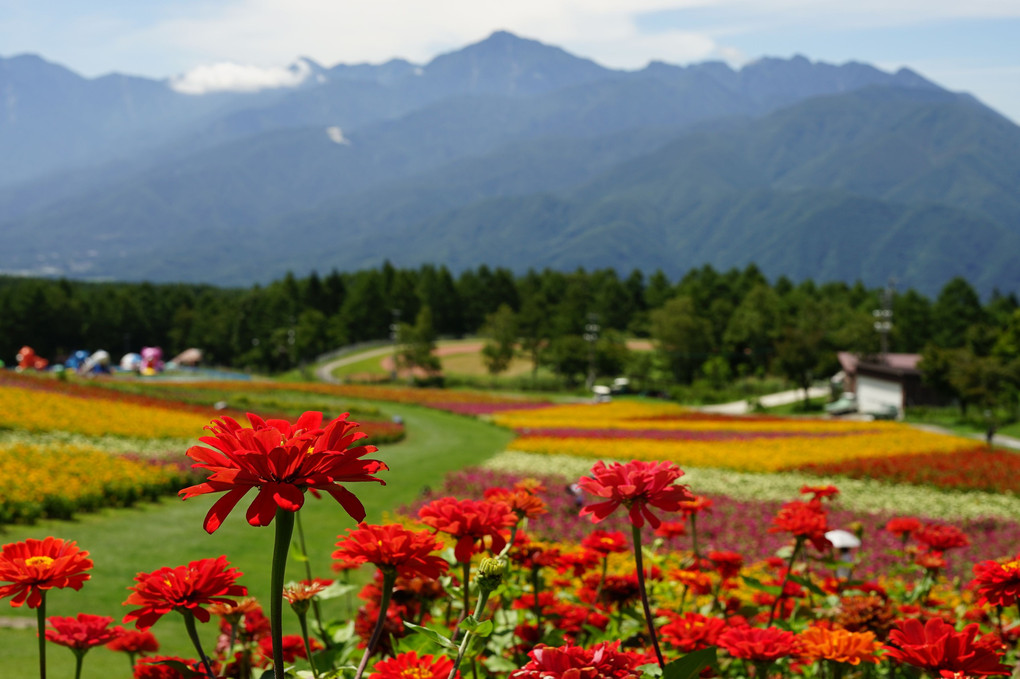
305 590
838 645
281 460
635 485
407 552
522 502
184 588
34 566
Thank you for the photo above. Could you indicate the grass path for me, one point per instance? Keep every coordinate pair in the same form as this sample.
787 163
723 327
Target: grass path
125 542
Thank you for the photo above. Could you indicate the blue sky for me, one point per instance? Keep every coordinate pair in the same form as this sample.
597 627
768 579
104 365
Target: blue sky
970 46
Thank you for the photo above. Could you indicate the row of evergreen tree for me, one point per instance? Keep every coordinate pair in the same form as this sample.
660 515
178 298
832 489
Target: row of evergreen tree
735 319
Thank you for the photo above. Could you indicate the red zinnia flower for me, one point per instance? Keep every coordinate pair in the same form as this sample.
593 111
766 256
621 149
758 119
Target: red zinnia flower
803 520
184 588
80 633
150 668
940 537
671 529
820 492
409 666
728 564
605 543
635 485
34 566
937 646
696 506
133 641
997 584
602 661
758 644
477 525
903 526
393 547
282 461
692 632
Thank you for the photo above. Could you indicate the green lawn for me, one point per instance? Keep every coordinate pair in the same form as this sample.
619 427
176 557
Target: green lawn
125 542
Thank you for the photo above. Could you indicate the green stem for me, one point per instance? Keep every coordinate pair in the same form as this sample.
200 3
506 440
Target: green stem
303 621
41 621
536 609
639 562
308 576
284 531
483 597
786 576
189 624
694 540
79 659
464 583
389 577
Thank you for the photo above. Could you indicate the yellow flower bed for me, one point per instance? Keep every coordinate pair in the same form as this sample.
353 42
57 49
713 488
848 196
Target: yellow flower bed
667 417
34 410
56 481
763 454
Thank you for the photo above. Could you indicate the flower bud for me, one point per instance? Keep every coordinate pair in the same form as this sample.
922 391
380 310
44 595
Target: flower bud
490 574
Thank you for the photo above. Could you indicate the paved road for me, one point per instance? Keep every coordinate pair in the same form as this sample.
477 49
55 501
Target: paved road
325 371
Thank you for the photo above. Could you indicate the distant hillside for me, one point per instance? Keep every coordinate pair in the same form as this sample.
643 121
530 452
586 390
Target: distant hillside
512 153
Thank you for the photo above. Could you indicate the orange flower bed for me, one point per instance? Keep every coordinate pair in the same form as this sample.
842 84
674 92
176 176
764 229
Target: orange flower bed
57 481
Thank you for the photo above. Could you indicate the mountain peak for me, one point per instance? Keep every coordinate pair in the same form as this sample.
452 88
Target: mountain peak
507 64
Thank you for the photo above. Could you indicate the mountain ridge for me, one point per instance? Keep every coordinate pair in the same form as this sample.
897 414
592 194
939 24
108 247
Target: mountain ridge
662 167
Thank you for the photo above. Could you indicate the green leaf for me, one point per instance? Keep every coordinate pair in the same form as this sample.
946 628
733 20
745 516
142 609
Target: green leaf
469 624
690 666
431 634
484 629
755 583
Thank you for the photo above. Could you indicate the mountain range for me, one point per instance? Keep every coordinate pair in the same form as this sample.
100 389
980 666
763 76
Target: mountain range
512 153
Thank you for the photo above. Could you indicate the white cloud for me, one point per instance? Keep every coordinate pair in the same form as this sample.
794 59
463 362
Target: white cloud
231 77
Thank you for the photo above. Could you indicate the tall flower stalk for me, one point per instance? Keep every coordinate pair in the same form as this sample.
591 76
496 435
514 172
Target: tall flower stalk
33 567
636 486
281 547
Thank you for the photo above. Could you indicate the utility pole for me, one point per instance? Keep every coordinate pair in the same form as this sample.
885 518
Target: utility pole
394 333
883 316
591 335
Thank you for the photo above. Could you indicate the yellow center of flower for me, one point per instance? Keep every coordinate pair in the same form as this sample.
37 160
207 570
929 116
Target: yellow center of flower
415 673
1011 565
43 561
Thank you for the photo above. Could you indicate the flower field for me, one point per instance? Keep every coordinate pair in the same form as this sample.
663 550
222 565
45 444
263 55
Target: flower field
631 540
635 430
38 410
57 481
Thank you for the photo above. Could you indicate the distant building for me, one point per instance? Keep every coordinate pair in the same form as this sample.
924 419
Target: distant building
886 381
